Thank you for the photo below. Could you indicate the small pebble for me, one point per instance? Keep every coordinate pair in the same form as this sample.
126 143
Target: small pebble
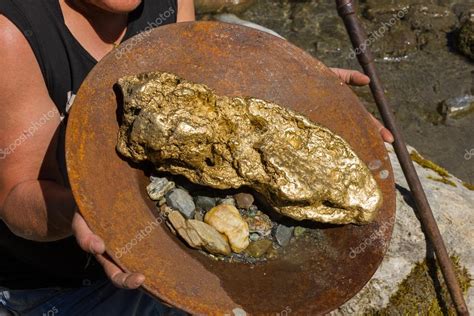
205 203
244 200
252 210
180 200
254 237
258 248
227 201
158 188
259 223
170 226
299 231
283 234
199 216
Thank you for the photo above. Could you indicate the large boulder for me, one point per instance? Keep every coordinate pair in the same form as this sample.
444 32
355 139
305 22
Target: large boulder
406 278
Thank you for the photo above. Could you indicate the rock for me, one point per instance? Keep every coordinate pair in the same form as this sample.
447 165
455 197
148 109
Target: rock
209 6
211 239
180 226
299 231
244 200
227 201
253 210
158 188
432 18
465 39
198 215
258 248
260 223
283 234
452 208
205 203
226 219
170 226
308 173
199 235
182 201
383 10
254 236
165 210
457 107
162 201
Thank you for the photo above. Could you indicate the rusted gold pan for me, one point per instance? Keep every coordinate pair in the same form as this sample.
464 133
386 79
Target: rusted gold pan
314 277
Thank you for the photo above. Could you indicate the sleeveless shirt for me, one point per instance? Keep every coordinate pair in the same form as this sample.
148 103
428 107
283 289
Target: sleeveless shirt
64 64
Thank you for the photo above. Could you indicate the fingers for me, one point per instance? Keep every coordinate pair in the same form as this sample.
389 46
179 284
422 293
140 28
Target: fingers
352 77
92 243
384 132
86 239
117 276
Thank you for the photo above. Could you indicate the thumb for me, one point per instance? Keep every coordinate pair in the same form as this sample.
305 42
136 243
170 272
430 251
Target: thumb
86 239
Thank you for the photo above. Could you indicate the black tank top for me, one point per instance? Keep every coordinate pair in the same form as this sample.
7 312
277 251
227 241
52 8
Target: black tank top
64 64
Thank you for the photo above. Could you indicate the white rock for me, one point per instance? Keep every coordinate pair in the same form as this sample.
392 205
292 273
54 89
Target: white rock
228 221
453 208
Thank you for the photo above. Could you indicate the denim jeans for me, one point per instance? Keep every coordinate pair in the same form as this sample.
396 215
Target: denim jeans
101 298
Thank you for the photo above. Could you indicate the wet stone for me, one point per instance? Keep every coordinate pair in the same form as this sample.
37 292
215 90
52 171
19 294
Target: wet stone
158 188
465 39
283 234
244 200
205 203
180 200
457 107
258 248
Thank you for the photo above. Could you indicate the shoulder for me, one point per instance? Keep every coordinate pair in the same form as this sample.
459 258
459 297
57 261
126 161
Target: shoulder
20 75
10 35
15 50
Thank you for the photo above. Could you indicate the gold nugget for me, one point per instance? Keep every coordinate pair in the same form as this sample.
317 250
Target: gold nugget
304 170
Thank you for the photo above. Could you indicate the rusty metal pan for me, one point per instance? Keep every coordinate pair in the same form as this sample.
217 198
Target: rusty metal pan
313 277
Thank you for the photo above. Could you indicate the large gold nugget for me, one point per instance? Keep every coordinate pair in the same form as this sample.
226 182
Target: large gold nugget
304 170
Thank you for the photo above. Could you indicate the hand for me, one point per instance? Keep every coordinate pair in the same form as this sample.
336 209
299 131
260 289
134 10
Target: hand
356 78
92 243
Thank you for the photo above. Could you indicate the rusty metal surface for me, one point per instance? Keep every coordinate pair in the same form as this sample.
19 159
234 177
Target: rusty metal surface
313 277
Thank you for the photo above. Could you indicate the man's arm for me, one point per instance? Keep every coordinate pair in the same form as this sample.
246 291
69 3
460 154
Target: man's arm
33 202
185 11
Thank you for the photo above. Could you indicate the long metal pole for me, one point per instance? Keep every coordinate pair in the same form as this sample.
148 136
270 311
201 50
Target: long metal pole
358 37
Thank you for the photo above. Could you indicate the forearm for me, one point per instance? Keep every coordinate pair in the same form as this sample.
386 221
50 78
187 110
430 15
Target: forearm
39 210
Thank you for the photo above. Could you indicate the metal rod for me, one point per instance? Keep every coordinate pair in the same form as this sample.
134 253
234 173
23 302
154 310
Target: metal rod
358 38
